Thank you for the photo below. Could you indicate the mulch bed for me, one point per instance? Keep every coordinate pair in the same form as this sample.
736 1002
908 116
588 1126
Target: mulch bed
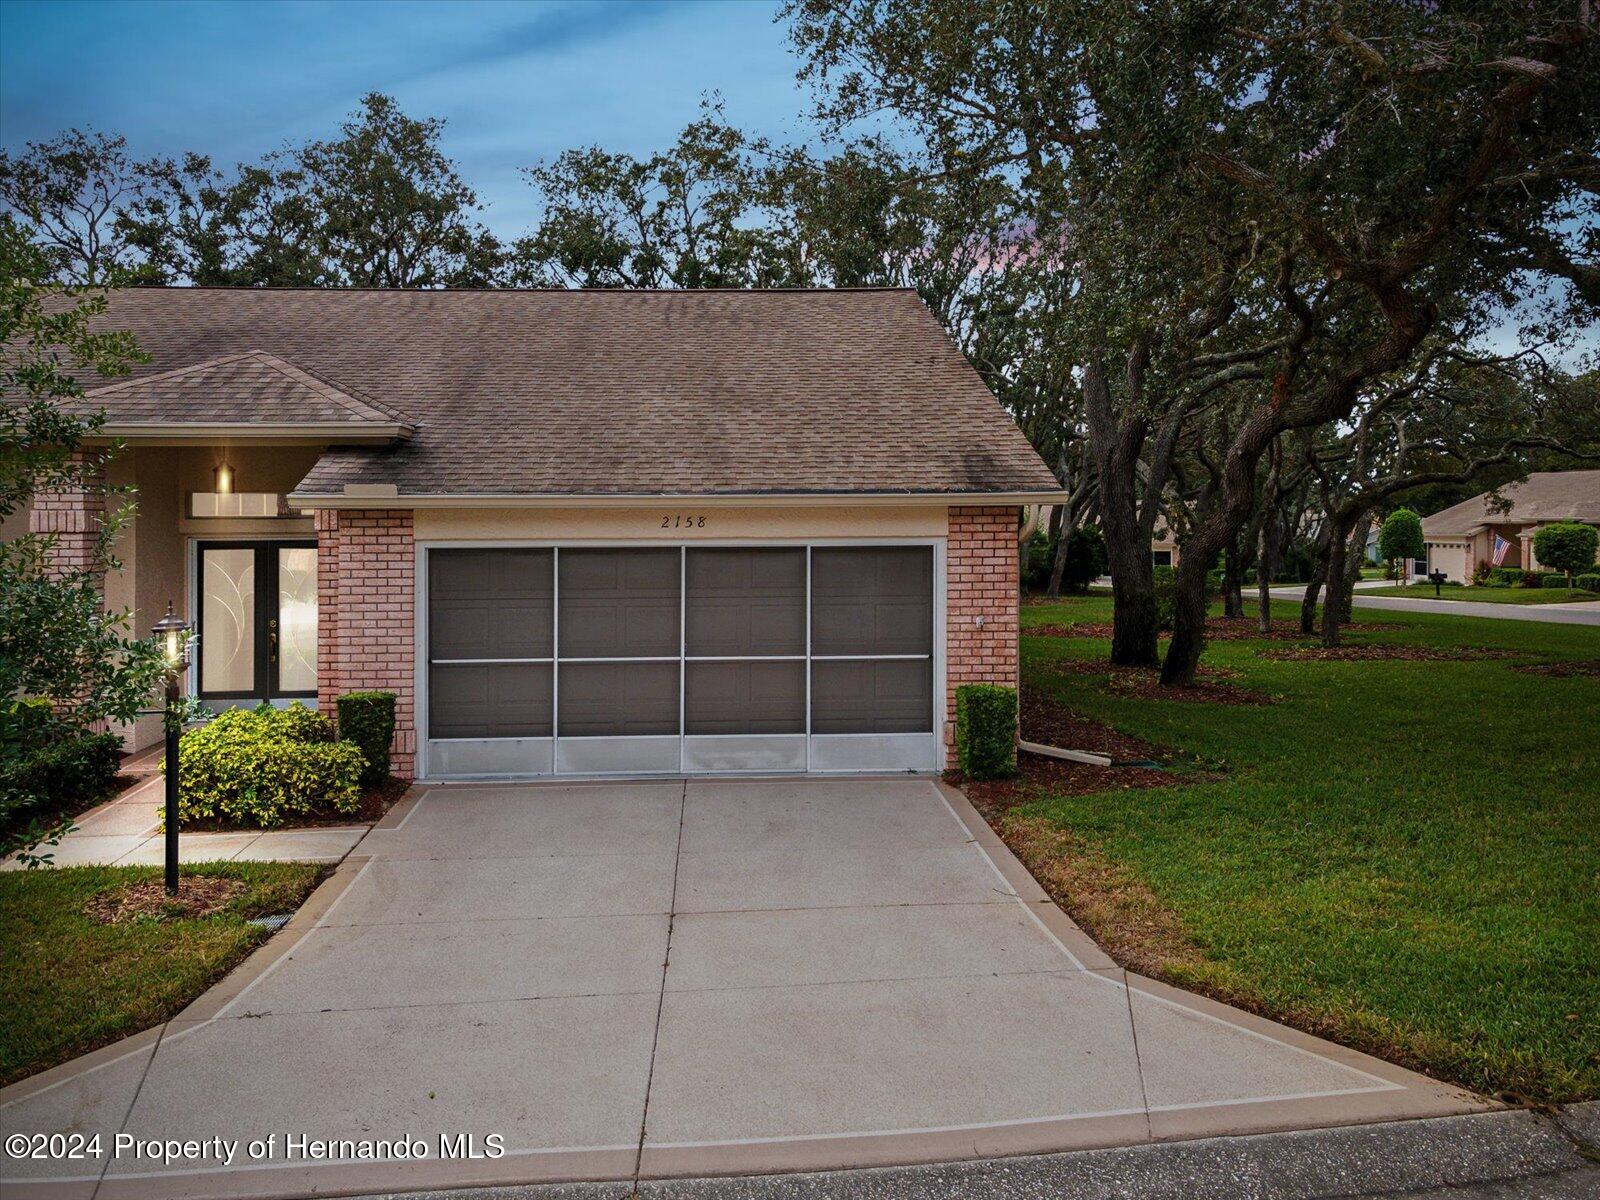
1037 777
1562 670
374 803
198 896
1145 683
1382 653
1047 721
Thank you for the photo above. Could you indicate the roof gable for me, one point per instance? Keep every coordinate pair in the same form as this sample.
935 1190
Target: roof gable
1543 496
252 387
521 393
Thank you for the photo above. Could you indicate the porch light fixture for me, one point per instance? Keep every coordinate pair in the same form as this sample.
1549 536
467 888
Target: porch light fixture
223 475
172 632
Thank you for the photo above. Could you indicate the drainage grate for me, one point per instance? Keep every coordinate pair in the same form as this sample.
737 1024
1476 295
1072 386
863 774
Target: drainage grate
275 921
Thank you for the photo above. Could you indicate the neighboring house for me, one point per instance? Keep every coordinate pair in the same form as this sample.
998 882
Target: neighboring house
1469 533
1164 549
575 532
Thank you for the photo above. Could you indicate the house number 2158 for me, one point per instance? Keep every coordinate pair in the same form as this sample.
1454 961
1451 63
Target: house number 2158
683 522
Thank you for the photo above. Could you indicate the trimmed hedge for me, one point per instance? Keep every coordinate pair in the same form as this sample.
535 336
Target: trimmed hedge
986 730
1553 581
367 719
1588 582
48 767
260 767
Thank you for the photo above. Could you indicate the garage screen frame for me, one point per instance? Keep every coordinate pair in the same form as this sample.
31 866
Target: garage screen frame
683 753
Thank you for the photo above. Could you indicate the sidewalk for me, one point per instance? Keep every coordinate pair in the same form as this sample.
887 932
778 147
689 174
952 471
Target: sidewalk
126 832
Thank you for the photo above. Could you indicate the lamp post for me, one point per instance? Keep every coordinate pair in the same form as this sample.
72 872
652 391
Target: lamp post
171 630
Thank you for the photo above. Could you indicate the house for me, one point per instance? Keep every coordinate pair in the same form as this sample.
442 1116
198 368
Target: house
1500 532
1164 548
575 532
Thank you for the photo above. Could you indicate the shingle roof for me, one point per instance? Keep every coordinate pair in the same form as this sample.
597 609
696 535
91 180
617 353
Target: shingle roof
1545 496
604 392
250 388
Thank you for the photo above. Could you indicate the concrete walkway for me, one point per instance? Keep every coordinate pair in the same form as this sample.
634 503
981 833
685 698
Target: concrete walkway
653 980
126 832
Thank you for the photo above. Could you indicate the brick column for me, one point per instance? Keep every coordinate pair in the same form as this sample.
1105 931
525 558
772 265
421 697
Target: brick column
366 618
73 516
981 584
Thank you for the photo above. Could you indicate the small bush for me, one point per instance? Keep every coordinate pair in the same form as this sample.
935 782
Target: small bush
1553 581
1529 579
367 719
986 730
53 769
1483 573
261 767
1166 586
1589 583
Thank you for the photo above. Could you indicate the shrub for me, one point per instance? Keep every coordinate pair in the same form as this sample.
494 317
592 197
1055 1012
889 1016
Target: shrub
986 730
1483 573
367 719
1086 558
1528 579
1567 546
1553 581
1589 582
48 767
1507 576
260 767
1166 587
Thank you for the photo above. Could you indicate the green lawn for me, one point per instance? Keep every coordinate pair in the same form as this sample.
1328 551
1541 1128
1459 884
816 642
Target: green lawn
1401 855
68 985
1488 595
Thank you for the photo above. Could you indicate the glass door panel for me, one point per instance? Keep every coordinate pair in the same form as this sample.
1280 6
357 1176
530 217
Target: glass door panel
257 620
228 620
297 619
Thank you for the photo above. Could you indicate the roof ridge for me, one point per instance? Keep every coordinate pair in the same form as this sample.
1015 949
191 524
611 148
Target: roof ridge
513 291
346 397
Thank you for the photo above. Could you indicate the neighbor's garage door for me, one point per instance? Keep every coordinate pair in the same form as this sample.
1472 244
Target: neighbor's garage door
695 659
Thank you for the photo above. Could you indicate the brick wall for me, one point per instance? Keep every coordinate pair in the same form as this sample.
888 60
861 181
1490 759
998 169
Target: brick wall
73 515
366 620
981 570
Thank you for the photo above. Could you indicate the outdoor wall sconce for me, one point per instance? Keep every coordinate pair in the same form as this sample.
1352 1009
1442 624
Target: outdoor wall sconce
223 475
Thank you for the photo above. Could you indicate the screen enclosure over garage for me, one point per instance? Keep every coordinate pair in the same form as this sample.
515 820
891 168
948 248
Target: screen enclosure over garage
704 658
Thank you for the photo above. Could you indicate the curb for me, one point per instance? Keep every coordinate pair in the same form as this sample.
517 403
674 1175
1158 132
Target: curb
1502 1154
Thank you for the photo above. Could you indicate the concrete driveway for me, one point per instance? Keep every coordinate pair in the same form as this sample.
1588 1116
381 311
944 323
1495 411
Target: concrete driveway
665 978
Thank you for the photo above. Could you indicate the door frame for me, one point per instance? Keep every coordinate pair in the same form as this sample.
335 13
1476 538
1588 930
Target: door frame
266 601
938 699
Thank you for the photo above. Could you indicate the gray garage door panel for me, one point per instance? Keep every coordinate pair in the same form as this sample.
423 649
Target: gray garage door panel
696 659
619 603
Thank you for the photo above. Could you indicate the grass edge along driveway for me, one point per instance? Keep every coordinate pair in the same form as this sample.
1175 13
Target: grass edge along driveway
1399 855
69 985
1484 595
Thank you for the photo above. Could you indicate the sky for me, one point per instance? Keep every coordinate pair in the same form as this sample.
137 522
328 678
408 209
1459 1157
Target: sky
515 82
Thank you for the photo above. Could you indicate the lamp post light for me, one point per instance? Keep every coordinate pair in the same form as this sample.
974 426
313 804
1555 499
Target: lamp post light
172 632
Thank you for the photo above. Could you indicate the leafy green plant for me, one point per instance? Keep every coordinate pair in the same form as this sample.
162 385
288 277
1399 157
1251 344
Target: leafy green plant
367 719
48 766
1553 581
986 730
259 768
1568 546
1589 582
1400 536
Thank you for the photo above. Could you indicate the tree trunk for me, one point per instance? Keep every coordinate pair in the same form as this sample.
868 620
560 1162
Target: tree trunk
1333 602
1232 581
1135 638
1264 578
1058 565
1308 605
1354 554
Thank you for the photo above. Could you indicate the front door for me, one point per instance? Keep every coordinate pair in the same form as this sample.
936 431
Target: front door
257 621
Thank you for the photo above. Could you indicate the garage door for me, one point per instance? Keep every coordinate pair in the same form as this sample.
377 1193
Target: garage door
581 661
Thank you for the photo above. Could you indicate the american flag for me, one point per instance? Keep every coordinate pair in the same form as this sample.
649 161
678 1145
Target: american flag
1500 548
